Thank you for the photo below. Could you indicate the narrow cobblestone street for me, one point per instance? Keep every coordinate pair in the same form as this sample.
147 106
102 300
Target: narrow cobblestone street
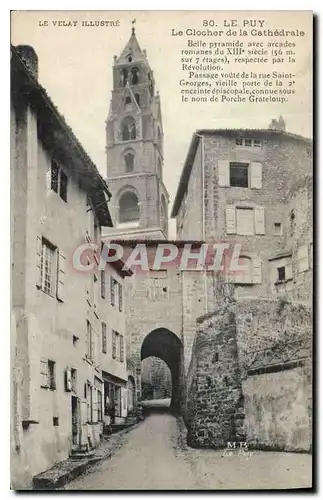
152 458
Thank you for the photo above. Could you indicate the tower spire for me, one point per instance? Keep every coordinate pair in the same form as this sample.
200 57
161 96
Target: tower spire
133 29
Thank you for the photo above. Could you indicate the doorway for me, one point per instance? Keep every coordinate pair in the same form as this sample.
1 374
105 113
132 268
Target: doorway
75 421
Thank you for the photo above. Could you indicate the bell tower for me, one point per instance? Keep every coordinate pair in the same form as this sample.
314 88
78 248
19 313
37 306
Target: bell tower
134 147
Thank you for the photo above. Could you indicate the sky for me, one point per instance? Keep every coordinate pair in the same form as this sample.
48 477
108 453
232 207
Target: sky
75 67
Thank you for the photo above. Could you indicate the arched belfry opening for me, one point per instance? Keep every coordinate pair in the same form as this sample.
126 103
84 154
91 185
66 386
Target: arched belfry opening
164 344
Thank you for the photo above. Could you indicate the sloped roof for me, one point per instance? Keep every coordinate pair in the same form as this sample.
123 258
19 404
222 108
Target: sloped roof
58 133
132 48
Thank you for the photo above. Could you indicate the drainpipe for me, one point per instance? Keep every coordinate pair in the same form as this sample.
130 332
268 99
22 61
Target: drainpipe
203 212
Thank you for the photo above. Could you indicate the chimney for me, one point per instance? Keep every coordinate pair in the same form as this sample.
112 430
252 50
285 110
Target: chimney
29 57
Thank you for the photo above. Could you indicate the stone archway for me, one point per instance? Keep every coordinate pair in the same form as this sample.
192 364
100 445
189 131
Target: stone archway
164 344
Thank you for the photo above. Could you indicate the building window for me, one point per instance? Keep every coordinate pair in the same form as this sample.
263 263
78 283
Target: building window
113 284
51 375
99 397
104 338
47 267
47 374
58 180
281 273
239 174
137 97
128 208
120 297
277 229
128 129
55 421
74 379
89 340
114 344
102 274
245 221
248 142
129 160
121 348
128 100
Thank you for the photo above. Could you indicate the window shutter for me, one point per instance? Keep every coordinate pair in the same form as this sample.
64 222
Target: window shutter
61 261
231 219
68 380
288 271
256 175
114 345
120 296
302 257
260 220
121 348
39 262
103 284
257 270
224 173
44 373
112 291
93 334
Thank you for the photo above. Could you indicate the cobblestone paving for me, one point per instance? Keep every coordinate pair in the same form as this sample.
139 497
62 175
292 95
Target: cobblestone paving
152 458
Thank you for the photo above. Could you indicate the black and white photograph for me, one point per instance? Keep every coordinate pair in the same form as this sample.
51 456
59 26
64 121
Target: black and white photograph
161 225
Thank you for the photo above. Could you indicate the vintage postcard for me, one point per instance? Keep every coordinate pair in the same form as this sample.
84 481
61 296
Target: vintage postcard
162 250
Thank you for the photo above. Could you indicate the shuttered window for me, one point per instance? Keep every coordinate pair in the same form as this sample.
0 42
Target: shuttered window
239 174
89 341
245 221
102 274
48 374
45 265
114 344
121 348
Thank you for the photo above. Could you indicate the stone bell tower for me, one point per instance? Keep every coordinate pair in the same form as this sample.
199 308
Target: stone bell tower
134 146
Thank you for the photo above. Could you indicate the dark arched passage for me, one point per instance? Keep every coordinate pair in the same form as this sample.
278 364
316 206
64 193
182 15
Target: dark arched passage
164 344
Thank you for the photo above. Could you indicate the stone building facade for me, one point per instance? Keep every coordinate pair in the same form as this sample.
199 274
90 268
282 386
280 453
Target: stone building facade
59 360
256 191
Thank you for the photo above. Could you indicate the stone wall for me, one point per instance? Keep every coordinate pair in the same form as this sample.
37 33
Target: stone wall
239 353
278 409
